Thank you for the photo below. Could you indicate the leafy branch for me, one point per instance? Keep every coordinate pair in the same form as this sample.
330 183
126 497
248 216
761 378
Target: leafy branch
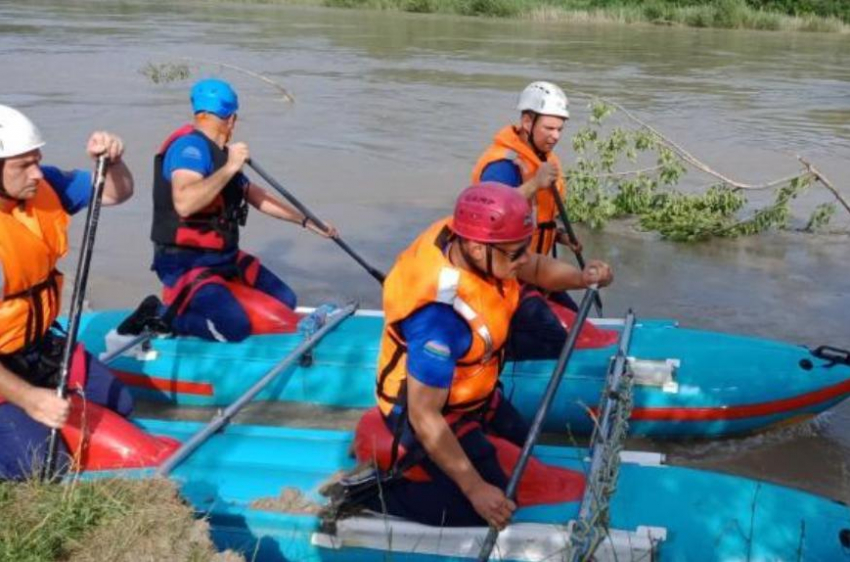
598 193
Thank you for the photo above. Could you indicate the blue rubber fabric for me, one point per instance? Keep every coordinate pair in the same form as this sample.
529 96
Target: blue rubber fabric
23 441
73 187
437 337
440 502
502 171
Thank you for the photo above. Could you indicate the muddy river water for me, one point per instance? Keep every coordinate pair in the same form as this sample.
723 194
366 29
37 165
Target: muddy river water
391 112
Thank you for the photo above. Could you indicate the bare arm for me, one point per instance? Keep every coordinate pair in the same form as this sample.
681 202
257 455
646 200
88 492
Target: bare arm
119 180
425 405
270 205
119 184
41 404
546 176
554 275
192 192
529 188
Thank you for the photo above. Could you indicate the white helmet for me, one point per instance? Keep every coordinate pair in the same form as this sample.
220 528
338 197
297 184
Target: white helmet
544 98
18 135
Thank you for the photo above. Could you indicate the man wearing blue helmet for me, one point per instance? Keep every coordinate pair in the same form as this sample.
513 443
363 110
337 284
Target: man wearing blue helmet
211 288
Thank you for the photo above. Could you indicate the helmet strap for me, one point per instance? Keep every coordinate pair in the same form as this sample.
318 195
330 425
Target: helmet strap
490 270
486 275
540 154
3 193
470 262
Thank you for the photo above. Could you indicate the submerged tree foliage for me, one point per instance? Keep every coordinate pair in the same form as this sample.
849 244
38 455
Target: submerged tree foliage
598 192
166 72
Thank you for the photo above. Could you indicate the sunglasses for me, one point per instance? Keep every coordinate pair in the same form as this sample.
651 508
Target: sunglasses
516 254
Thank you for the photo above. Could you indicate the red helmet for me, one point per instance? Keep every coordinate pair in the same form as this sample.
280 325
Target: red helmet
492 212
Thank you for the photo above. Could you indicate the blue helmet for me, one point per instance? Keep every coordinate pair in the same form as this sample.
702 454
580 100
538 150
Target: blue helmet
214 96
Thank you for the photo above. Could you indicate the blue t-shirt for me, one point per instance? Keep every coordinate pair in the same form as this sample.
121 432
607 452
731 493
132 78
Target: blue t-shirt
502 171
74 187
190 152
437 337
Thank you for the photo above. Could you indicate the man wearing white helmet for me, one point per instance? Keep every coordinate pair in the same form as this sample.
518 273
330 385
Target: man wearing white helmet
36 202
522 156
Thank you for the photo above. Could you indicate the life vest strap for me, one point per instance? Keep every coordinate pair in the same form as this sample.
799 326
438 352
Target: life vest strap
35 325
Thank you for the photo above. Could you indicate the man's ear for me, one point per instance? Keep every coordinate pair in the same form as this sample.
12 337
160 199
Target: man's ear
525 122
476 250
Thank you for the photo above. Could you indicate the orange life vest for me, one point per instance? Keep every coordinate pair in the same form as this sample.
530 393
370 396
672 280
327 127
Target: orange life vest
423 275
508 146
33 237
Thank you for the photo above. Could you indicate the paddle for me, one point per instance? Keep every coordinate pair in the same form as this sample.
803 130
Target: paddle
224 417
562 210
80 282
542 411
306 212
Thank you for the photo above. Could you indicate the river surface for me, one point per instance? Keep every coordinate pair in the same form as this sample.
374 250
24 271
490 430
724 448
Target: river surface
393 109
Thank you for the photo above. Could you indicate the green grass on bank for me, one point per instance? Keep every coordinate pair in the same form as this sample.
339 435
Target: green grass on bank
787 15
116 520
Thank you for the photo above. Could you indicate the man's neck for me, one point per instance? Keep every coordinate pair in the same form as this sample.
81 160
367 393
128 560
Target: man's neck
457 257
211 131
526 138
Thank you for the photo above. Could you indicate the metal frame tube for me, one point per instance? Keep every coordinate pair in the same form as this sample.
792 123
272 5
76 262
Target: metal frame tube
224 417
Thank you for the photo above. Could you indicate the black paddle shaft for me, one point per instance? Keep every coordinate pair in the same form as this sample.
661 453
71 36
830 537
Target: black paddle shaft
80 282
307 213
542 411
597 301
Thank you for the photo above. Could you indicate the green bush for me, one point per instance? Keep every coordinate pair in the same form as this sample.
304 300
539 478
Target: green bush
812 15
825 8
419 6
654 10
767 21
698 16
494 8
347 3
730 13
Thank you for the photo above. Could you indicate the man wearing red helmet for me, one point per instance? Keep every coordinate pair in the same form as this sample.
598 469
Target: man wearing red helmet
448 303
